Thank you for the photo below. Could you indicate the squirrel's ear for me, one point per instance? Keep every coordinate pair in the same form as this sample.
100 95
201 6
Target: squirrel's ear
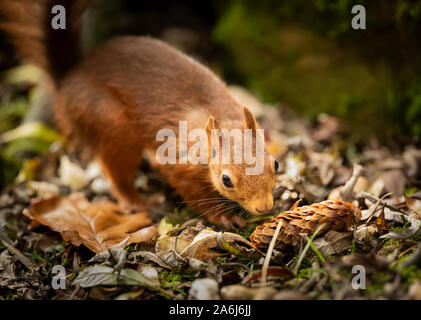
212 124
249 120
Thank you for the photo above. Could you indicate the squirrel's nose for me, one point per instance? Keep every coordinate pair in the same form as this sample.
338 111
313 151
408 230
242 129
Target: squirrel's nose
265 208
265 205
261 210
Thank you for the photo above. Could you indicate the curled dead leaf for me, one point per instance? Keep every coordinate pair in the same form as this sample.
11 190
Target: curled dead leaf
202 244
98 275
410 231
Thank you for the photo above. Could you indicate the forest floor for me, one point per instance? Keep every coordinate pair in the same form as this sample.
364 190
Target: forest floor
176 254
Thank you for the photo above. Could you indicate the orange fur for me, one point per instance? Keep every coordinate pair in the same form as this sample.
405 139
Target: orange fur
117 98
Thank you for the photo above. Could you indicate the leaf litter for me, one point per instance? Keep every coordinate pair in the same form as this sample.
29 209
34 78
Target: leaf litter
61 212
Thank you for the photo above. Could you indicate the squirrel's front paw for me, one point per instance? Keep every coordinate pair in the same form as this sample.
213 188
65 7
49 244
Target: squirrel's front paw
130 206
238 221
220 219
227 221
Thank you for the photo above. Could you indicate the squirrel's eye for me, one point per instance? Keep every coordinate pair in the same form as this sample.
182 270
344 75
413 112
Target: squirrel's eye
227 181
276 166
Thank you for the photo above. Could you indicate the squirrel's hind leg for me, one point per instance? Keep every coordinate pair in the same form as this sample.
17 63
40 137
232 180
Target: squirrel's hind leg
97 119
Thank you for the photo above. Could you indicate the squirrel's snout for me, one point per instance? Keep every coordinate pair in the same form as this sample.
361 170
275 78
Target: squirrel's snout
262 210
264 207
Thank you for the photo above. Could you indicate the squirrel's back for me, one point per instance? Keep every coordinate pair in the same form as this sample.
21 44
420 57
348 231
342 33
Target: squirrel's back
155 84
151 74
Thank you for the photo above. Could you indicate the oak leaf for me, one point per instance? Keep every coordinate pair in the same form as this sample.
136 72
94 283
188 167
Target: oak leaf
99 225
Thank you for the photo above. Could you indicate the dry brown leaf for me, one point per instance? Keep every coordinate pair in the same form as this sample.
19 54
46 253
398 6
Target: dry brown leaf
333 242
99 226
414 203
380 222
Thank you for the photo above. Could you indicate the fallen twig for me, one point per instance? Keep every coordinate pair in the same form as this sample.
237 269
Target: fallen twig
376 206
348 188
269 253
22 258
373 199
415 259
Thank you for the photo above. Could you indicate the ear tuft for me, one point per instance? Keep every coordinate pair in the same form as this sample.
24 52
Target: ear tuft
210 124
249 120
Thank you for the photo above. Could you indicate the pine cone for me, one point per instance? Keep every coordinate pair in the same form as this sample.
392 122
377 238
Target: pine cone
336 214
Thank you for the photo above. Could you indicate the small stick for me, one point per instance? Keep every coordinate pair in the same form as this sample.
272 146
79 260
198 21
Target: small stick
22 258
376 206
269 254
348 188
272 245
415 259
374 199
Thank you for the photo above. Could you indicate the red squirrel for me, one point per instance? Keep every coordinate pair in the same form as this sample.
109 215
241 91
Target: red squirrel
116 99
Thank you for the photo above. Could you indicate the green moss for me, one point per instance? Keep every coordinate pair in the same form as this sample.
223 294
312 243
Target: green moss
247 230
221 260
170 279
393 242
130 248
179 216
305 273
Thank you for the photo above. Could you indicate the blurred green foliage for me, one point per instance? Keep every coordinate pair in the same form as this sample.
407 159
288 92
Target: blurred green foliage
12 110
20 142
307 55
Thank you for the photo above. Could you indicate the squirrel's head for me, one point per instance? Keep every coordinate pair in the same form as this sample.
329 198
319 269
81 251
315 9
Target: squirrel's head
247 174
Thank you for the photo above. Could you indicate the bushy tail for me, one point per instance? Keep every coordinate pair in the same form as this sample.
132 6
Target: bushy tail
28 24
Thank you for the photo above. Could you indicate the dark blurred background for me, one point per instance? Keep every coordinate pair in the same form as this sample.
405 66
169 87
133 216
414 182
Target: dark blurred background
301 54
